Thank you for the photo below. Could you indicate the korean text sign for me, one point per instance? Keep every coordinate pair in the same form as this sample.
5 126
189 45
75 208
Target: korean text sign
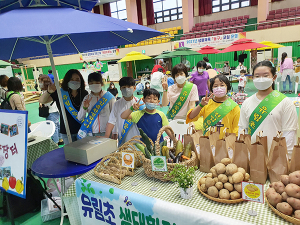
13 151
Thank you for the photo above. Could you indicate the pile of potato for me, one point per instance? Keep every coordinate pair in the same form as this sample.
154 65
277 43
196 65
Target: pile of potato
224 181
285 194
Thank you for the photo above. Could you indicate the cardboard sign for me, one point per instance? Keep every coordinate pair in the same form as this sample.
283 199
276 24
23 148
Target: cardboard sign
128 160
159 163
253 192
13 151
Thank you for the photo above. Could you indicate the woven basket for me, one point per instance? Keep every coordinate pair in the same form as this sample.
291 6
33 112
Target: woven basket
161 175
286 217
218 199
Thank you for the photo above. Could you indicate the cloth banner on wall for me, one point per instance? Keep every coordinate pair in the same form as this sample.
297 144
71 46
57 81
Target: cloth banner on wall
13 151
211 41
99 54
102 204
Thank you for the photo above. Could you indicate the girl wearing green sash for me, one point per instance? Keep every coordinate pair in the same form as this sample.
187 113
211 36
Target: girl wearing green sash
182 96
217 109
268 110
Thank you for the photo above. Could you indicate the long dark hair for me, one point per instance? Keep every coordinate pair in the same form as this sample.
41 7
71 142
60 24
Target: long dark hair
68 77
283 56
267 64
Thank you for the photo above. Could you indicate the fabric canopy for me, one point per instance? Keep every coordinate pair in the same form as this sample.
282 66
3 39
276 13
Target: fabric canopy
133 56
243 44
208 50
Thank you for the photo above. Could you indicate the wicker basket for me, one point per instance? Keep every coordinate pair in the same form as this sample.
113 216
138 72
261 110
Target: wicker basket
286 217
161 175
218 199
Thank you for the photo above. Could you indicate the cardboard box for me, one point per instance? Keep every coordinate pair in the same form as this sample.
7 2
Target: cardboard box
90 149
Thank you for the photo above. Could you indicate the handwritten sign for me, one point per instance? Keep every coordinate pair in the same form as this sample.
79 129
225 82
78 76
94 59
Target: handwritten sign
253 192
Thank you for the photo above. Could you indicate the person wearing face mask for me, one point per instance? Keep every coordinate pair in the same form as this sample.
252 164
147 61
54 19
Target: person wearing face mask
201 79
217 109
156 81
113 90
3 87
268 110
149 119
116 124
147 85
73 92
181 96
241 67
98 104
287 72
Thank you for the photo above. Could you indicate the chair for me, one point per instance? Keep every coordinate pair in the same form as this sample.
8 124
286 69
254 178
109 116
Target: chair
234 18
206 23
261 27
193 36
285 10
227 32
214 33
199 28
175 31
245 21
211 22
223 20
194 28
232 23
43 129
278 11
220 25
198 36
215 26
204 35
178 28
298 8
218 21
204 27
272 12
209 27
240 30
270 17
277 16
297 22
220 33
293 9
238 22
275 25
197 24
179 127
181 38
226 24
246 17
240 17
228 20
233 31
285 15
283 24
290 23
292 14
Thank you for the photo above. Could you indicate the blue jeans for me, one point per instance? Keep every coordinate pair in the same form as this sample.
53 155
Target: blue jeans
54 117
290 83
65 138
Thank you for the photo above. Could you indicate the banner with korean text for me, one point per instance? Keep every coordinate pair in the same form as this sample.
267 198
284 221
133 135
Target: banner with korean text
13 151
217 40
87 56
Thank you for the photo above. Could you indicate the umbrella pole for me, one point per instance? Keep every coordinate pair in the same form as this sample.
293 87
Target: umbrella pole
135 69
56 81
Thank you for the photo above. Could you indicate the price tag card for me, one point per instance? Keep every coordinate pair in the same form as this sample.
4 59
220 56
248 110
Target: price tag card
253 192
128 160
159 163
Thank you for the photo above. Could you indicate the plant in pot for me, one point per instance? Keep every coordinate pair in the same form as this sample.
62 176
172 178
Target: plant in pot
184 177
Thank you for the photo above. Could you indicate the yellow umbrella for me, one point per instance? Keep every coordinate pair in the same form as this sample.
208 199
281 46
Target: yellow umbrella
133 56
271 44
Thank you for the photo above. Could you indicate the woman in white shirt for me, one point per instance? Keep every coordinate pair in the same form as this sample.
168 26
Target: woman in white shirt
268 110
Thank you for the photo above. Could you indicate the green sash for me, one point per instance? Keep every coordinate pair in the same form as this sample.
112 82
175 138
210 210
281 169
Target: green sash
185 92
263 110
218 114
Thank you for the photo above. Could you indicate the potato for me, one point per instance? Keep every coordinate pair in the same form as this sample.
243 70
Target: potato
219 185
213 191
202 180
220 168
226 161
237 177
203 188
294 202
214 173
284 196
274 198
292 190
285 179
223 178
238 187
209 182
228 186
231 169
285 208
235 195
230 179
242 170
224 194
269 191
247 177
294 177
209 175
278 186
297 214
216 179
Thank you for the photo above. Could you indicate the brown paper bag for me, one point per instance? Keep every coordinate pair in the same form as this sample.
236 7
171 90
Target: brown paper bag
213 138
295 159
230 139
246 138
206 156
196 134
240 156
221 151
258 166
187 138
263 140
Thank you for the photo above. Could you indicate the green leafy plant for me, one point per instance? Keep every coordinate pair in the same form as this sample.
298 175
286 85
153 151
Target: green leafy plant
183 176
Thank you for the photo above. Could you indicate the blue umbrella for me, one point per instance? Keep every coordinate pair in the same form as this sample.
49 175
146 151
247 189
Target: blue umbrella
31 31
8 5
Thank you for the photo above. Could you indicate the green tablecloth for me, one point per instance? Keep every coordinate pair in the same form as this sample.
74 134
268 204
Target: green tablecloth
169 192
37 148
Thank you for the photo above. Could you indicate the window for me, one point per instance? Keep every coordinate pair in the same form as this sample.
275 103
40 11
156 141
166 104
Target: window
118 10
167 10
223 5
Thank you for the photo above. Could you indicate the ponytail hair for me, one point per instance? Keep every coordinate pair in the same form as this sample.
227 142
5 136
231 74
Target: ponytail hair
283 56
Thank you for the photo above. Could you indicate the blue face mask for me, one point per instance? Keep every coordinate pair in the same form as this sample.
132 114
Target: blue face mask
151 106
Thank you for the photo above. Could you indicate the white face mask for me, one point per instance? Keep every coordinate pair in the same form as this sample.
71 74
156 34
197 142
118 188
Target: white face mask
74 85
262 83
96 88
147 85
180 79
127 92
112 86
201 70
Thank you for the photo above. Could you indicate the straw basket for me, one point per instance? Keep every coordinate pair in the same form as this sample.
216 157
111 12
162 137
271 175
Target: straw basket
218 199
286 217
161 175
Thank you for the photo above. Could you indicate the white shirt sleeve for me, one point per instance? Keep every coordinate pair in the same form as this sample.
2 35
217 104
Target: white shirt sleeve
291 140
289 117
82 113
243 123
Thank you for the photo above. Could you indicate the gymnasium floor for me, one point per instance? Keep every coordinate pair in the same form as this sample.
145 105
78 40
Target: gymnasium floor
34 218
